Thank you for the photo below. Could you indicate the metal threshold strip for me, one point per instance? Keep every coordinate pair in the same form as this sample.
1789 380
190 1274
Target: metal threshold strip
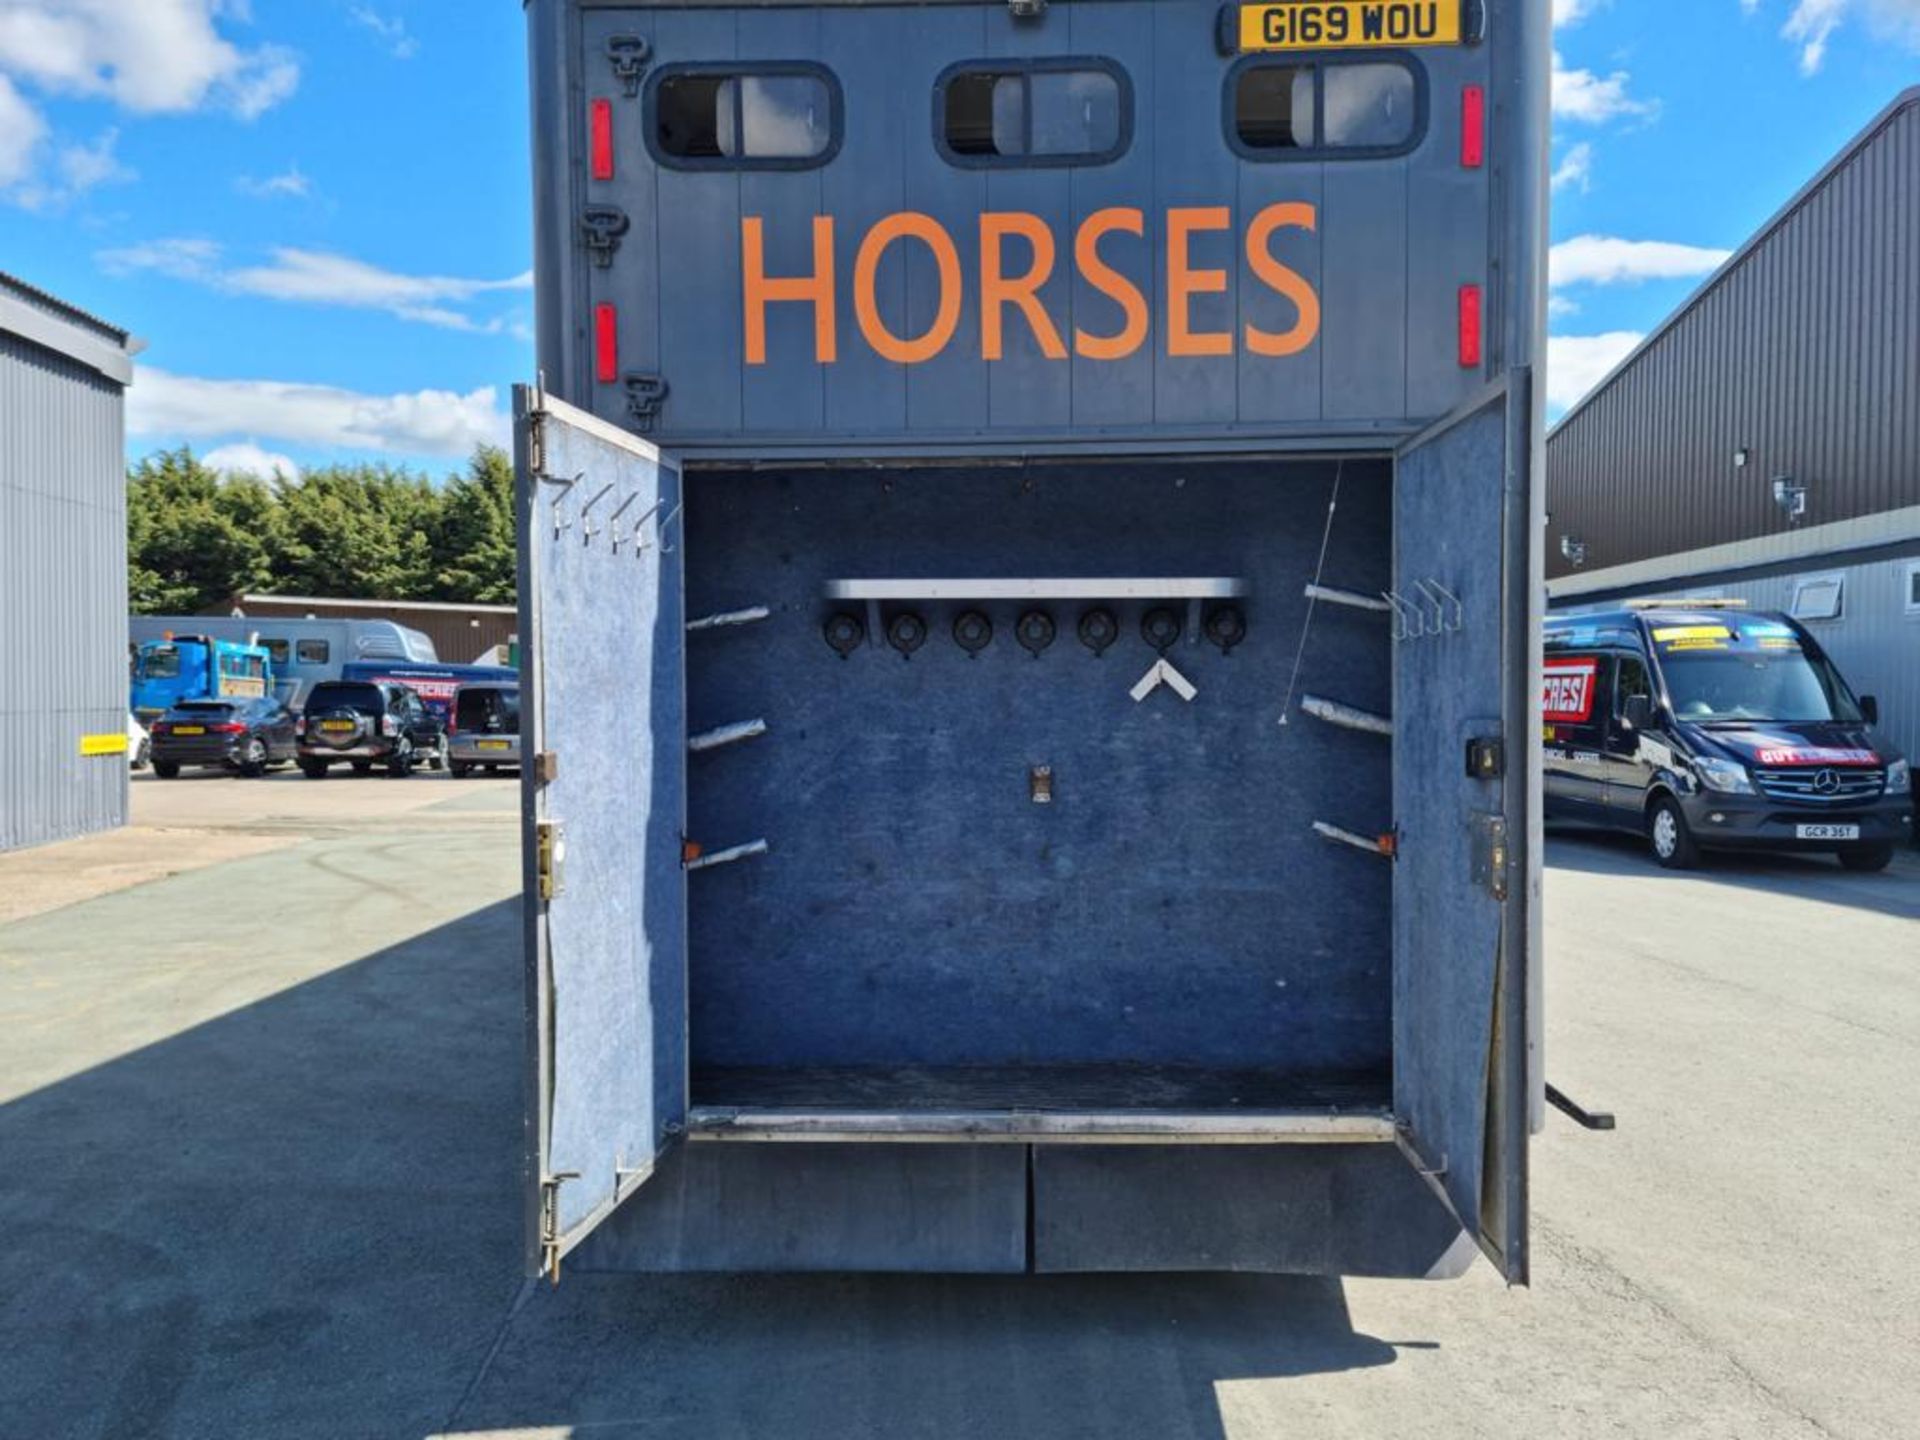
1106 1127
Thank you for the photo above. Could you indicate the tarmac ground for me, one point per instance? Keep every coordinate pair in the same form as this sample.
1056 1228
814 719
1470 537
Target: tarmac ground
260 1139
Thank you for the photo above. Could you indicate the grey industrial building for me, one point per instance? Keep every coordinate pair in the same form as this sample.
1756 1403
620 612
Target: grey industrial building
63 569
1764 443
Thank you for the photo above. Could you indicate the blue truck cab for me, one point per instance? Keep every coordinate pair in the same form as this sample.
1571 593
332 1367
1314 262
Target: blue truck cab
1708 728
196 667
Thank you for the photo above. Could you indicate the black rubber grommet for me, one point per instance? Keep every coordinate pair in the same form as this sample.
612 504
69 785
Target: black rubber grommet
845 632
1160 628
972 631
906 632
1034 631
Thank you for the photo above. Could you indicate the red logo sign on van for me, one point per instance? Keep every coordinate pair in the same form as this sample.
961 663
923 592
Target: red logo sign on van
1567 696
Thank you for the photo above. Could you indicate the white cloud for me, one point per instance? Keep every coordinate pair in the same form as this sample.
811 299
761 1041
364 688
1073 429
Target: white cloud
21 131
1812 23
1558 306
291 182
1575 168
247 458
1591 99
147 57
422 422
316 277
393 30
1572 12
153 57
1577 363
1607 260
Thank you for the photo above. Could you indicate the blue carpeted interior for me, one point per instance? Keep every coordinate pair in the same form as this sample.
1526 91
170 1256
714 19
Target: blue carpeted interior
1171 907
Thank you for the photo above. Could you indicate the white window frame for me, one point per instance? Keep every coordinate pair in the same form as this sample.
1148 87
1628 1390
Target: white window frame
1835 578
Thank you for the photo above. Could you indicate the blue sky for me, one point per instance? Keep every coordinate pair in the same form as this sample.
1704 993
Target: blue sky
315 211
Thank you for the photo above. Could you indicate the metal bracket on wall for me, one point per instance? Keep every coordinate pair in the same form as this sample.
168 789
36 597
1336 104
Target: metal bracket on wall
1345 716
722 735
1334 595
726 618
565 485
1434 610
1386 846
727 856
629 54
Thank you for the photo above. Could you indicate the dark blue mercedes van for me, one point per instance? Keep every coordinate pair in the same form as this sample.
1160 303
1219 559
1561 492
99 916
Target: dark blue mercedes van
1704 727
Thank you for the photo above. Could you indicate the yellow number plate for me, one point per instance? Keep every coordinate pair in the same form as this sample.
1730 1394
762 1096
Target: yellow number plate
336 726
1348 24
189 729
493 745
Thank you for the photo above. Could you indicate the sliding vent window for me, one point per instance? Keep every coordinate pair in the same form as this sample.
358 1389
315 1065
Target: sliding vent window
774 117
1332 110
1049 113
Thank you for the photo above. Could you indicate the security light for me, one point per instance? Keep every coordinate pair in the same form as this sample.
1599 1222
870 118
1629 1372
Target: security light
1790 496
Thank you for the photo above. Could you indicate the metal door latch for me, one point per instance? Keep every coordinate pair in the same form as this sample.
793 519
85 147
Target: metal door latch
646 393
1486 758
629 54
603 226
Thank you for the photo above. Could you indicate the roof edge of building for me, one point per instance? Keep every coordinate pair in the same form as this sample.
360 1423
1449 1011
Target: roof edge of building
1889 527
452 606
49 322
1907 99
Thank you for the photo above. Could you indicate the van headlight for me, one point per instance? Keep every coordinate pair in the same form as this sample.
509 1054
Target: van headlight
1899 777
1723 775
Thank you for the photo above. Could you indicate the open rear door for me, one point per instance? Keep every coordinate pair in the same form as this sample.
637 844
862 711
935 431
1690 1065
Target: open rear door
602 637
1463 637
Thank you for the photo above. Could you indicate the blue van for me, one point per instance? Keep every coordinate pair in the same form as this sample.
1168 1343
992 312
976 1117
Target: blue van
1703 728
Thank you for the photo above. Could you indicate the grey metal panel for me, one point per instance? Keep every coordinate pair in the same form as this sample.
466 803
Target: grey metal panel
1800 350
1116 392
1286 1209
1403 234
937 1208
1450 689
63 594
950 391
866 181
698 227
604 692
1192 169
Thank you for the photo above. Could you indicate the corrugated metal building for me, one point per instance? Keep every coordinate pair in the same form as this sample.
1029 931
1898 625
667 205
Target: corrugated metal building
1764 443
461 634
63 569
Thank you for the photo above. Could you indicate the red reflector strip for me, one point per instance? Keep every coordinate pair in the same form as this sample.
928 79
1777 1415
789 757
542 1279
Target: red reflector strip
601 140
1473 127
606 344
1469 325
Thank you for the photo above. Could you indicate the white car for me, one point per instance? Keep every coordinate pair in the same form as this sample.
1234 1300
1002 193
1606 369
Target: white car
139 747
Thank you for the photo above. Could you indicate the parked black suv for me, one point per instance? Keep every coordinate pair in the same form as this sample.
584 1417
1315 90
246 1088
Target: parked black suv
239 734
365 723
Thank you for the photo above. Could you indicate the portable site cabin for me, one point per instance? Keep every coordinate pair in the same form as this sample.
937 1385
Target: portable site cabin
1028 581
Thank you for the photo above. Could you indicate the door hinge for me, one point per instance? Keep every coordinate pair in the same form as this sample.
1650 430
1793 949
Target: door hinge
551 858
646 393
603 226
550 1222
629 54
1490 854
537 443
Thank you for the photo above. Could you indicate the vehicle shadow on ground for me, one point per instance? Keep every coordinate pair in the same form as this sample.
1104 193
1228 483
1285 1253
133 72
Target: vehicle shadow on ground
303 1219
1894 892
